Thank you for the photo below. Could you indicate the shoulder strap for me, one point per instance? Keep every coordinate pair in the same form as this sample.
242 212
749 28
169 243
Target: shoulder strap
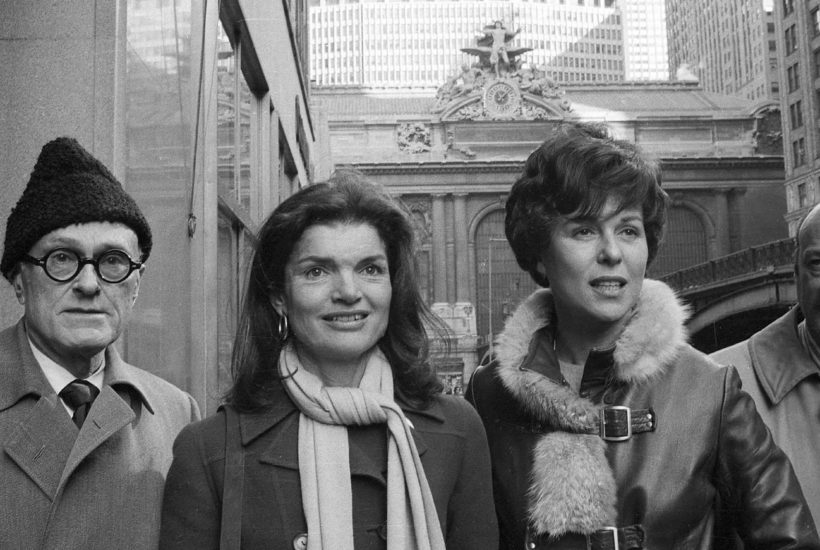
232 486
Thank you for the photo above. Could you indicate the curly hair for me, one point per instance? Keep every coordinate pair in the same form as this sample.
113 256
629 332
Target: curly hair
345 198
573 174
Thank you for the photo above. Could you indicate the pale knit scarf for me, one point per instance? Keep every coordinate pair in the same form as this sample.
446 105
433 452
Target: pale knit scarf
324 461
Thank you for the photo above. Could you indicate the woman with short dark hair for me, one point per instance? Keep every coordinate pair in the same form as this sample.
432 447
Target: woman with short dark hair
335 431
606 429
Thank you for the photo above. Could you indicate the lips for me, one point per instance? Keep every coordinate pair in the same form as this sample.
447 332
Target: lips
345 317
608 285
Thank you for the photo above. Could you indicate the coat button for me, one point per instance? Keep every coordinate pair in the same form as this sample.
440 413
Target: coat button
300 541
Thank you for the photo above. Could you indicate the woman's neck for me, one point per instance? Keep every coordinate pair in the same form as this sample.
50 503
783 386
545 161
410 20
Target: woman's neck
573 343
338 374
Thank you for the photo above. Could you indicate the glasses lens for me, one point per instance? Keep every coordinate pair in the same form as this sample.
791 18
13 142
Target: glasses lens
61 264
114 266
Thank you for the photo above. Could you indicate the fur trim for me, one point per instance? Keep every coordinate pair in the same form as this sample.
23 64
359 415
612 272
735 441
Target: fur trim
583 499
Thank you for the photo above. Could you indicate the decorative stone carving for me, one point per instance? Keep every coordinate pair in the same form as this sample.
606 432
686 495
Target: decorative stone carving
499 85
451 146
413 137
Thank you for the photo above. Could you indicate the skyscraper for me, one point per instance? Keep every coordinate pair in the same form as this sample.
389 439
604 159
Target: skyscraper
729 46
797 24
393 44
645 46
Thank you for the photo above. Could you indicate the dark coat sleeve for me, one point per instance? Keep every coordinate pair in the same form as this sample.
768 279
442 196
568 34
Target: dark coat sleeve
191 503
758 487
471 521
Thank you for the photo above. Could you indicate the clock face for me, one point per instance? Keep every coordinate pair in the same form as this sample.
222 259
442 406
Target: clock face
501 99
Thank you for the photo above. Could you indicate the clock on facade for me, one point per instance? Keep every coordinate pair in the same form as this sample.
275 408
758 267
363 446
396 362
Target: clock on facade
501 99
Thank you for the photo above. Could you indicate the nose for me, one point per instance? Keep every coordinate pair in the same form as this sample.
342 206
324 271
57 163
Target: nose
610 250
86 281
347 289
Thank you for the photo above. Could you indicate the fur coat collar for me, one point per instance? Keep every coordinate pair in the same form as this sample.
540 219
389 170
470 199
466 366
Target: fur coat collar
583 500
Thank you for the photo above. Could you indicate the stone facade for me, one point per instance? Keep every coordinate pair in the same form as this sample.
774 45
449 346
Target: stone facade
454 156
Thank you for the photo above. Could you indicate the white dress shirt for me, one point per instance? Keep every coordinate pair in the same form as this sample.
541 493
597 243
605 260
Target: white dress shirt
59 377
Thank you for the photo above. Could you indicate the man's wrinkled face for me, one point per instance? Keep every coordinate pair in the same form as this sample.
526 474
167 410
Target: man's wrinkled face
78 319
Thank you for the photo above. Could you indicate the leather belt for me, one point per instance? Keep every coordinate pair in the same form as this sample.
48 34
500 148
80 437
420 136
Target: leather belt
609 538
619 423
613 538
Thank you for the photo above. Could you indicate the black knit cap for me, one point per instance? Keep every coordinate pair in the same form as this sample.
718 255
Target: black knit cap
68 186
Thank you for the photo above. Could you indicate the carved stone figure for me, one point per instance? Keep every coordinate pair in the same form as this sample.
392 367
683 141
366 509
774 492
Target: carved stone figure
492 48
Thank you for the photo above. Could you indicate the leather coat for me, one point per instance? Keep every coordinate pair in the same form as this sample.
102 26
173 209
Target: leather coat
698 464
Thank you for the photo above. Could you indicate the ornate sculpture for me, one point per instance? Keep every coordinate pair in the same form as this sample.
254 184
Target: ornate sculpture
499 85
492 48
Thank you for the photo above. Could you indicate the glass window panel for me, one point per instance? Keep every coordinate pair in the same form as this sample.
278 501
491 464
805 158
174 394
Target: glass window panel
159 117
234 111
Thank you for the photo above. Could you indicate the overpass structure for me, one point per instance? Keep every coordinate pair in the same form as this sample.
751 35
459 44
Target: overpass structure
735 295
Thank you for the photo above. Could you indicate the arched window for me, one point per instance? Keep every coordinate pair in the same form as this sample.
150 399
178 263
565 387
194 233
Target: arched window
684 244
501 284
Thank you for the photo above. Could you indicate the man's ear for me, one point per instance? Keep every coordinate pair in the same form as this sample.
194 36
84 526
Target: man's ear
19 286
140 272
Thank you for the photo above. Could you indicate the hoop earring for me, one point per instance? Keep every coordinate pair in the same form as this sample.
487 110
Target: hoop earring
282 328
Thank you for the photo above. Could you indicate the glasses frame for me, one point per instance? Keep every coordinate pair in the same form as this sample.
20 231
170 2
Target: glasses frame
81 263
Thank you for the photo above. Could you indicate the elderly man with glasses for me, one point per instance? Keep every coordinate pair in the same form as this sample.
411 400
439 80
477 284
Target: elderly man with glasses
85 438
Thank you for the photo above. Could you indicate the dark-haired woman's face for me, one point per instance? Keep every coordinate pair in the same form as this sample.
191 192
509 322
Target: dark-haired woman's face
596 267
337 294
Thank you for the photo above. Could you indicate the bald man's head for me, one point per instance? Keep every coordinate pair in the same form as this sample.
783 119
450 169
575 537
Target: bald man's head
807 270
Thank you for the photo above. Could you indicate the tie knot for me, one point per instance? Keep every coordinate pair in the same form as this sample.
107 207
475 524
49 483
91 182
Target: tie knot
79 393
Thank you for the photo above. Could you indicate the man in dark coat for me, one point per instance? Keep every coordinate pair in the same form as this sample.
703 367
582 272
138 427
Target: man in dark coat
85 438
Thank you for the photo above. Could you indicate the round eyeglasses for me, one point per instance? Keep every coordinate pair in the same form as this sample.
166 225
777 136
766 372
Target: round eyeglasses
62 265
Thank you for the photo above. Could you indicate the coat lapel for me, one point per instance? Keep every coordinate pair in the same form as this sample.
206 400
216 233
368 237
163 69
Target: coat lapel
42 443
109 414
42 440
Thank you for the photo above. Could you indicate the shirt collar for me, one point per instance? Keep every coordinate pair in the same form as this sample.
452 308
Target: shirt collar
57 375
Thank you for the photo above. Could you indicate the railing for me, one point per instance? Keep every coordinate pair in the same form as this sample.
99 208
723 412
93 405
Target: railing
764 258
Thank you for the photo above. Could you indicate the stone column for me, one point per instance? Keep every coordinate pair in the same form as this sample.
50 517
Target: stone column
722 224
439 250
451 253
462 265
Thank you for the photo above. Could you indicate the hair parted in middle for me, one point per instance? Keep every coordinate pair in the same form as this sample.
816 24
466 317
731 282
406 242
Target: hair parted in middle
345 198
573 174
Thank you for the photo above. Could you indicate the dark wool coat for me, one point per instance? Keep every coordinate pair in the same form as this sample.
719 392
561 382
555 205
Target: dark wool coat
98 488
708 459
450 441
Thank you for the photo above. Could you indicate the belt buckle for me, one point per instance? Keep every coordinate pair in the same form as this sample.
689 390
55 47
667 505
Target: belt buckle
619 408
612 531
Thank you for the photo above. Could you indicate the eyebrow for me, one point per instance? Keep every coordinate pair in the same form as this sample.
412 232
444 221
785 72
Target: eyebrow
328 259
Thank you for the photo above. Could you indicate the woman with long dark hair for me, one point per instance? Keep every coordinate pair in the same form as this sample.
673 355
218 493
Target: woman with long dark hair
335 428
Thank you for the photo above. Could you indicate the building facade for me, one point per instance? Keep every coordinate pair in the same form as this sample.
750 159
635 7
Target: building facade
729 46
452 159
797 25
416 44
201 109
